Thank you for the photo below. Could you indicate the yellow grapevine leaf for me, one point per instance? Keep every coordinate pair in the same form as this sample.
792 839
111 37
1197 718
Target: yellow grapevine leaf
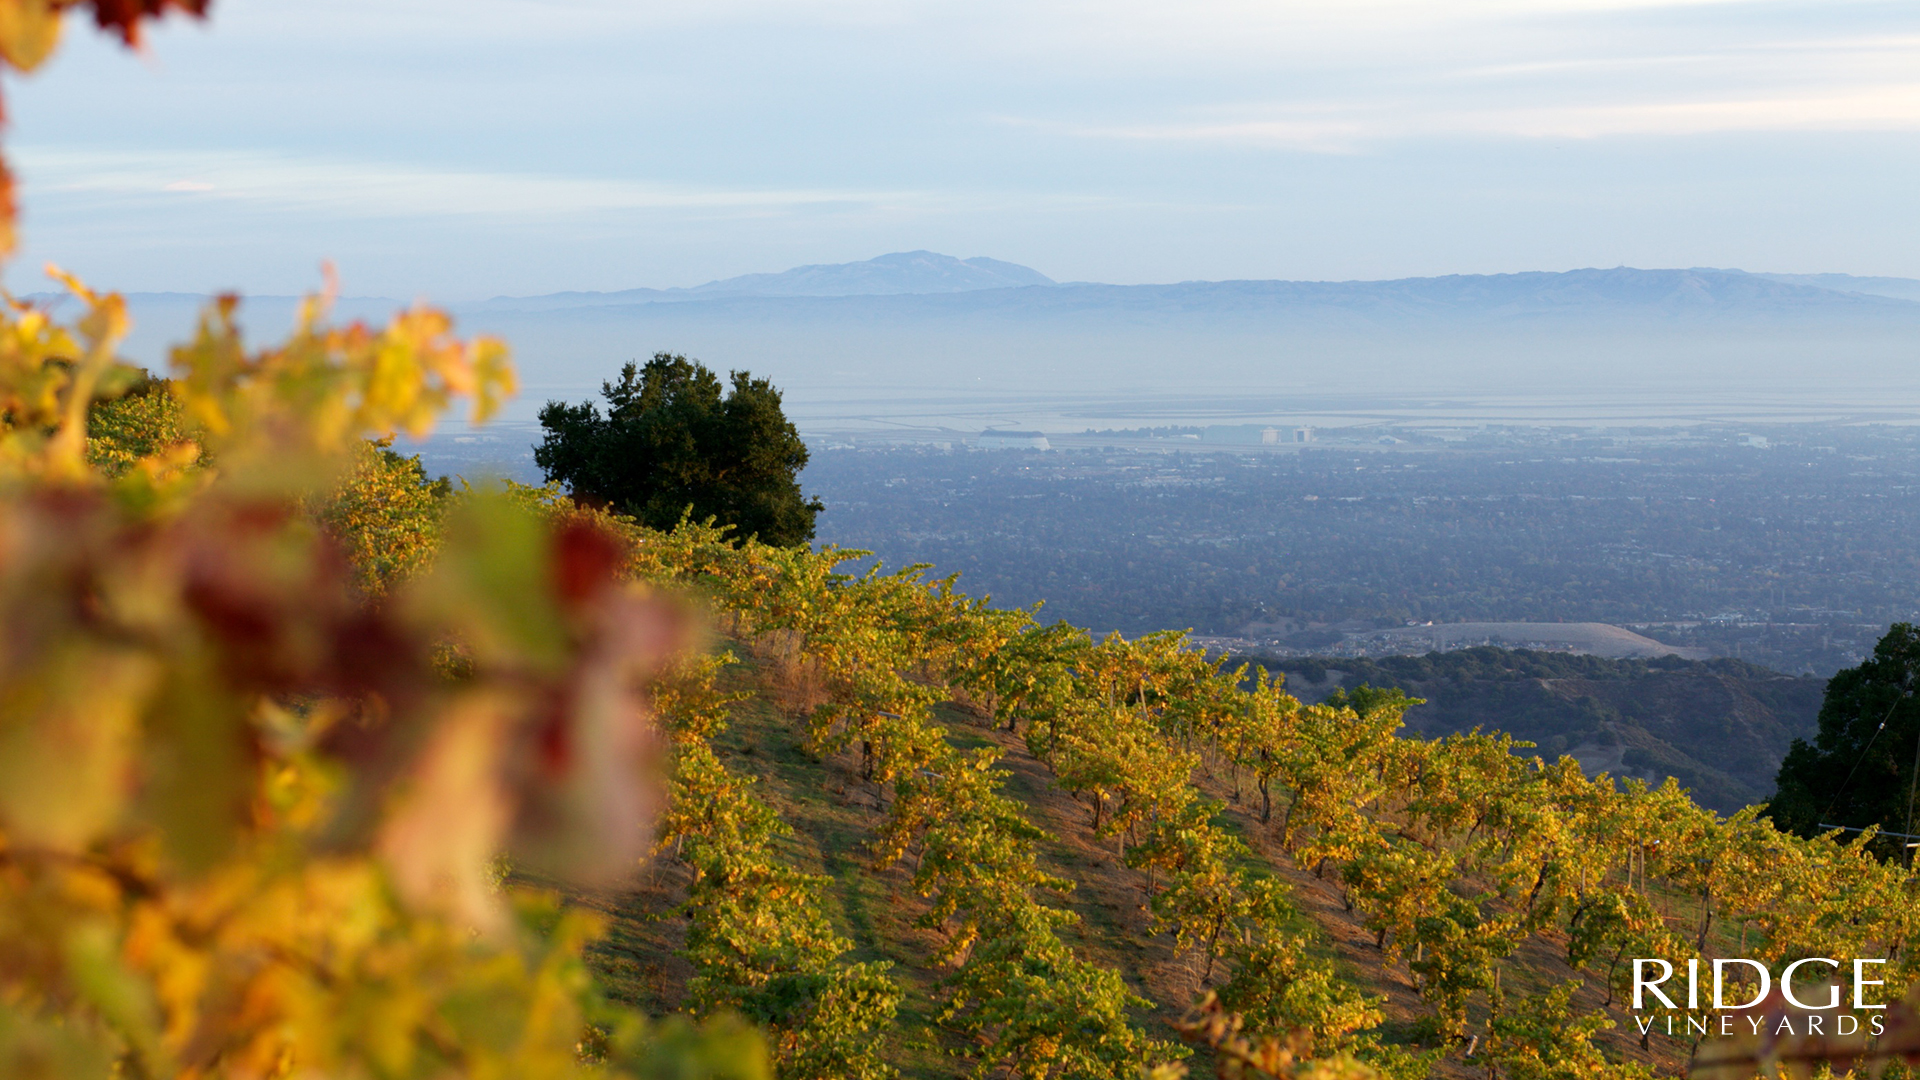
29 30
64 777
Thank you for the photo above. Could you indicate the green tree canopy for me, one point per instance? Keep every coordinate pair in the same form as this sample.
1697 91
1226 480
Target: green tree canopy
1859 769
672 441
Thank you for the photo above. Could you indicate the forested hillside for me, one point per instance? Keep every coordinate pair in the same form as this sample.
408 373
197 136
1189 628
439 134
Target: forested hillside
1719 727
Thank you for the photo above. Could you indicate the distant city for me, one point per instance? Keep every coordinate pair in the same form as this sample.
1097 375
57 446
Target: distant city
1786 545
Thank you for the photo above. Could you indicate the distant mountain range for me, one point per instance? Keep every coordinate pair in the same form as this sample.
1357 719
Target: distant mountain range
927 273
862 338
1898 288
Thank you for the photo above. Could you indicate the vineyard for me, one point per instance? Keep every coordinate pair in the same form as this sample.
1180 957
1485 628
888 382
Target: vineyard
316 765
1060 844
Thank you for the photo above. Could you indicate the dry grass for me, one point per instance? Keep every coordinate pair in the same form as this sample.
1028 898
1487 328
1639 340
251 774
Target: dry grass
978 709
788 679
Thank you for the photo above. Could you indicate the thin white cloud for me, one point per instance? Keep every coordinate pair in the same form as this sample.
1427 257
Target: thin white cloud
378 189
1765 62
1562 87
1319 135
1347 130
1879 108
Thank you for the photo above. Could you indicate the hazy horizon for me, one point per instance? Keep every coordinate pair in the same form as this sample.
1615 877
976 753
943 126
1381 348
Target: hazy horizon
921 344
49 289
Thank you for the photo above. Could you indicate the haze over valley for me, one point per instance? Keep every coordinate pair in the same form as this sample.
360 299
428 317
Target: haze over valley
923 343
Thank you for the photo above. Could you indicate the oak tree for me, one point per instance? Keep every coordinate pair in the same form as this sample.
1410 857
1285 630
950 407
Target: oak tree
1859 769
673 443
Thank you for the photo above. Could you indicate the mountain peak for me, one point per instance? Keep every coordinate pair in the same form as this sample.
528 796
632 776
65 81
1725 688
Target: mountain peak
886 275
894 274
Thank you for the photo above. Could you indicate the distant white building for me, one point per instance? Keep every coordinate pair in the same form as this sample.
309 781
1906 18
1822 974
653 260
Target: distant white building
1012 440
1303 434
1247 435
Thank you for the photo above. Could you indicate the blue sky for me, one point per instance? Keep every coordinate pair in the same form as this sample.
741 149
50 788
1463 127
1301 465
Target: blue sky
466 148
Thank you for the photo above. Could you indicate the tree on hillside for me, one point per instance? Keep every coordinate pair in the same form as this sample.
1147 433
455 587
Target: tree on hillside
1859 769
143 420
671 442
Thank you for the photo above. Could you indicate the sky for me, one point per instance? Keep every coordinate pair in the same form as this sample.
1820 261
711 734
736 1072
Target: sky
459 149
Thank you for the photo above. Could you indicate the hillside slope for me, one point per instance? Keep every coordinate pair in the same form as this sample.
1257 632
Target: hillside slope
1718 727
909 833
834 813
